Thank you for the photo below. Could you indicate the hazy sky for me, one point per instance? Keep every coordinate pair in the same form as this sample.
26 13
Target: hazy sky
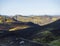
30 7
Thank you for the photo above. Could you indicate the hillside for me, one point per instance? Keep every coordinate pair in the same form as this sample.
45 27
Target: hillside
24 29
41 20
31 32
10 24
50 34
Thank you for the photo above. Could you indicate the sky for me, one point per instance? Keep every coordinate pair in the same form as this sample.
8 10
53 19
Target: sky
30 7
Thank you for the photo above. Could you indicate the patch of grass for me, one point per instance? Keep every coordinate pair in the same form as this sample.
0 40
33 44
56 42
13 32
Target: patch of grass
55 43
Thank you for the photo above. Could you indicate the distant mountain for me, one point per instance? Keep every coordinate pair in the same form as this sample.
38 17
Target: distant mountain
6 19
41 20
9 23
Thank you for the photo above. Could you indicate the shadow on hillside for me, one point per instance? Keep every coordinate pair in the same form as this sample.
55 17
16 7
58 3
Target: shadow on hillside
13 38
55 27
55 24
28 32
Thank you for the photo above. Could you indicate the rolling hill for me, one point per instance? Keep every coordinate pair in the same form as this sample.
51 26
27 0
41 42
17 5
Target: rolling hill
12 28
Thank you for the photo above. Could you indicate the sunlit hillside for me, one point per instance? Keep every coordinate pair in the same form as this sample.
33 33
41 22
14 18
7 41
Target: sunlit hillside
6 19
8 23
18 27
41 20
